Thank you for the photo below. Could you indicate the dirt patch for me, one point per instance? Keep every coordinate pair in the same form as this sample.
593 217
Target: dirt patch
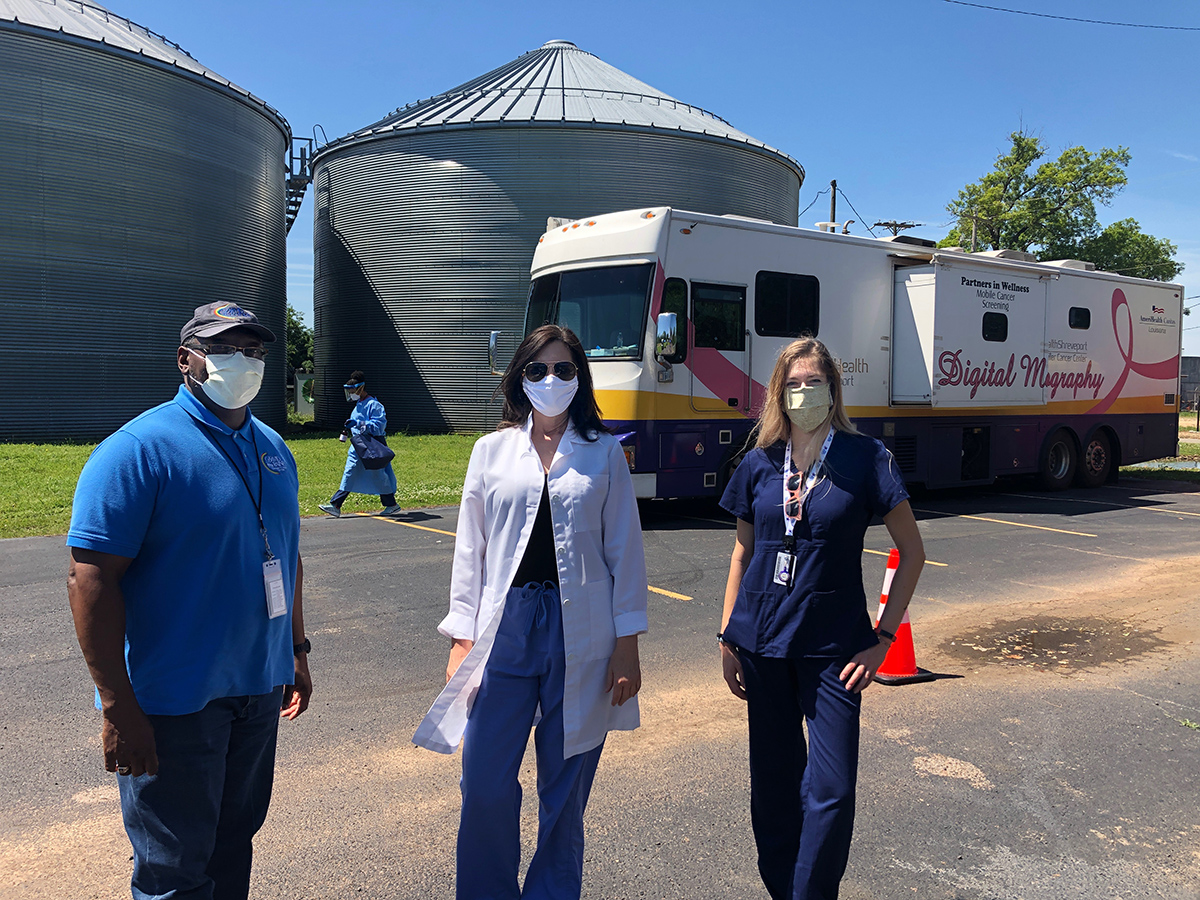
1054 643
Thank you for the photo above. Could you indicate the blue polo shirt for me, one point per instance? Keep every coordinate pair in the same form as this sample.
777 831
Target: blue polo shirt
161 492
824 613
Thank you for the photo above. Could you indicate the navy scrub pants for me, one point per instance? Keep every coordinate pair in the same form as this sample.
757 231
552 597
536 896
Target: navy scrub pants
801 797
525 668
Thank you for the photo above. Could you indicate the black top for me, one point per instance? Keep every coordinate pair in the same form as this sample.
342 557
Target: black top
538 564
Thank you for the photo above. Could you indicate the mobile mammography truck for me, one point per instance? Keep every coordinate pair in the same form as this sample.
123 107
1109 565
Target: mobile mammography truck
966 365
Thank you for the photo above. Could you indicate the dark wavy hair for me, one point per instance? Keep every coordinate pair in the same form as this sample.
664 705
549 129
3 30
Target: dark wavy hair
585 414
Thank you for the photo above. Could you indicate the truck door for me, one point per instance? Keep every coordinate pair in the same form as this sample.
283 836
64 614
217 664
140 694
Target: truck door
719 372
912 336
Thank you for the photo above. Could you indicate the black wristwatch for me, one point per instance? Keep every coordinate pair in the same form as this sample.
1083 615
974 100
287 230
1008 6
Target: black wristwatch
306 647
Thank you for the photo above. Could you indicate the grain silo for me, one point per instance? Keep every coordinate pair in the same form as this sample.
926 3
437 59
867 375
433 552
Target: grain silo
426 221
136 185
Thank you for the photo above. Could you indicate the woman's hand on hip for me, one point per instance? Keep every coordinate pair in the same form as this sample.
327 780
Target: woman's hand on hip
731 665
860 671
458 652
624 671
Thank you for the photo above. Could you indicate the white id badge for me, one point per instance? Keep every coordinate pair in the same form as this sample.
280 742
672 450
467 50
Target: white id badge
273 580
783 568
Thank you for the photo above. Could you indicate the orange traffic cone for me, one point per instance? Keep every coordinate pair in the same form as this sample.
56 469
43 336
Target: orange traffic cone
900 664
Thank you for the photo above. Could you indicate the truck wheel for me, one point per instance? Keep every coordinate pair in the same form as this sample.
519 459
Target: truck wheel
1095 463
1056 469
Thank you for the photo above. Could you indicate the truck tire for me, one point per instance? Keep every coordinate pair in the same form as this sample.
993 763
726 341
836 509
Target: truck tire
1095 463
1056 468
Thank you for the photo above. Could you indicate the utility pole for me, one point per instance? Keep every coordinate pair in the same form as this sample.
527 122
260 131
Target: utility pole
896 227
832 201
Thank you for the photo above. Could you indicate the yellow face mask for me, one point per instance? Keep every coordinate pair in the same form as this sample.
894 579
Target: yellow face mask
808 407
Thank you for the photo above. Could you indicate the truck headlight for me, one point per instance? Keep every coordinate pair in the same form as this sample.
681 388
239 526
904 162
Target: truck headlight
630 457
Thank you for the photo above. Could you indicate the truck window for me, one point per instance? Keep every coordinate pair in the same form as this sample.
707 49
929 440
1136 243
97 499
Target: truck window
719 316
1079 317
674 300
786 305
995 327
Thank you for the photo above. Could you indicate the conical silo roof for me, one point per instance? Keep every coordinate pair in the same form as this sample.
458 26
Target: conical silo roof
83 20
558 84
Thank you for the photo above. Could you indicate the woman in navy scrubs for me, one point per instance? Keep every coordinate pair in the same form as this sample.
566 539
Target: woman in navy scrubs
796 638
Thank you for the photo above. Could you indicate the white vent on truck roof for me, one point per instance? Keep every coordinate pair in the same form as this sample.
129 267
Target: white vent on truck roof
1018 255
1081 264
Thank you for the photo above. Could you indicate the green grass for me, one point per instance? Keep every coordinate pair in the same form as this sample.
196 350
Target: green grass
39 479
1187 448
429 469
39 482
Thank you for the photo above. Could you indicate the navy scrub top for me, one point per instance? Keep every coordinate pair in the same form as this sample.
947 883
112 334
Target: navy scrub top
824 613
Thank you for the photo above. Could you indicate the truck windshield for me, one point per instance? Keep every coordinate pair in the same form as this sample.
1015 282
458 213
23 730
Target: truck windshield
605 307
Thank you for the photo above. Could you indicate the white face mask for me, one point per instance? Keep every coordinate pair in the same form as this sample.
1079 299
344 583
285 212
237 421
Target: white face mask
808 407
233 379
551 396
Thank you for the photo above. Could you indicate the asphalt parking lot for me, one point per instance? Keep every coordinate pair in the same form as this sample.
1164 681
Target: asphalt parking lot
1055 759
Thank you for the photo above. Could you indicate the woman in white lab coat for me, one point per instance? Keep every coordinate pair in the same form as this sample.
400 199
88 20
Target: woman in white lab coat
547 599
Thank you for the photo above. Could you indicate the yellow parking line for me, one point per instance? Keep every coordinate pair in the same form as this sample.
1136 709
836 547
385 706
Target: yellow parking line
671 594
928 562
1004 522
1165 511
663 591
422 527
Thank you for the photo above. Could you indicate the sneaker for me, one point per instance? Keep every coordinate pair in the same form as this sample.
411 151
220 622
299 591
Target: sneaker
331 509
391 510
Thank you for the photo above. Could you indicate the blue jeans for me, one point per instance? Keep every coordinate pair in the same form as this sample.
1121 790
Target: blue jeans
191 825
525 669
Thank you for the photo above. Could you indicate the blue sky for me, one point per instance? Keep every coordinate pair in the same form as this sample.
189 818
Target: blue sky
903 102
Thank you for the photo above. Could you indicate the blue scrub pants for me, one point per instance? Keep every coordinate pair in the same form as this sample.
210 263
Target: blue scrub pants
801 797
191 825
526 667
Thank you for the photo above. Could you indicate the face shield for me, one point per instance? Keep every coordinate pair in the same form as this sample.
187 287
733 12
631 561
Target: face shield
352 391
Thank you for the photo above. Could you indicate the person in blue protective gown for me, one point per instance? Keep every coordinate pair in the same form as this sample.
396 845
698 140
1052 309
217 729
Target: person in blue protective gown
369 418
547 599
796 638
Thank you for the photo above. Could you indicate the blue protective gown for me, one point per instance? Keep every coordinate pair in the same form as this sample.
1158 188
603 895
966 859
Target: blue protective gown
368 416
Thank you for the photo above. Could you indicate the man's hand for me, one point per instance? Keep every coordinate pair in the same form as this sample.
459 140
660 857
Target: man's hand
128 740
296 696
624 671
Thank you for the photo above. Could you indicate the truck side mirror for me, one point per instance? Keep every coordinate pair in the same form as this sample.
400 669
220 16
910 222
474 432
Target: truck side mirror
665 342
665 338
493 341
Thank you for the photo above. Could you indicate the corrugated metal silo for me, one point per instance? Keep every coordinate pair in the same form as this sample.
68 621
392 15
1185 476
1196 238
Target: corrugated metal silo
426 221
136 184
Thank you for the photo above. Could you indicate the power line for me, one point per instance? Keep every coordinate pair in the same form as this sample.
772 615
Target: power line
814 200
860 218
1022 12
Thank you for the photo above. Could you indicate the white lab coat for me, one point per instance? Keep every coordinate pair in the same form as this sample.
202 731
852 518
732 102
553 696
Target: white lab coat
601 571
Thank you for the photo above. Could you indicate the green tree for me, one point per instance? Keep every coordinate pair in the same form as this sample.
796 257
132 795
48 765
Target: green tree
1050 209
299 339
1124 248
1017 206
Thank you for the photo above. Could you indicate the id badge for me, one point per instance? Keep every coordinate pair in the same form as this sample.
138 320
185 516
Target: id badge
783 568
273 581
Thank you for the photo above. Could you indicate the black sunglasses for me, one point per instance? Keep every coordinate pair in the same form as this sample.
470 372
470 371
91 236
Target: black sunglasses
536 371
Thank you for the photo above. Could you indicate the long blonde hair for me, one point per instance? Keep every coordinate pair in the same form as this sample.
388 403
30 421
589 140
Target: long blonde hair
773 423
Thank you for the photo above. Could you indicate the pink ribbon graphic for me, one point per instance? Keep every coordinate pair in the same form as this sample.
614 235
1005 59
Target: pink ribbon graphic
1167 370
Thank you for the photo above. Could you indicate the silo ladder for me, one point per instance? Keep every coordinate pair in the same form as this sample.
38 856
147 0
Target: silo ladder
299 176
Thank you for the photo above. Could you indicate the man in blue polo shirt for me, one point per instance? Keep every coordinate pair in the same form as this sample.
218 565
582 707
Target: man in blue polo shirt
185 586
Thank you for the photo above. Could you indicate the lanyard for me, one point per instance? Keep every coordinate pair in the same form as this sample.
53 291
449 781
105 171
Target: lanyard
789 541
262 526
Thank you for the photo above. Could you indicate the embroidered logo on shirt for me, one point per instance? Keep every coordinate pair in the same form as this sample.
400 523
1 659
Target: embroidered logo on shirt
273 463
